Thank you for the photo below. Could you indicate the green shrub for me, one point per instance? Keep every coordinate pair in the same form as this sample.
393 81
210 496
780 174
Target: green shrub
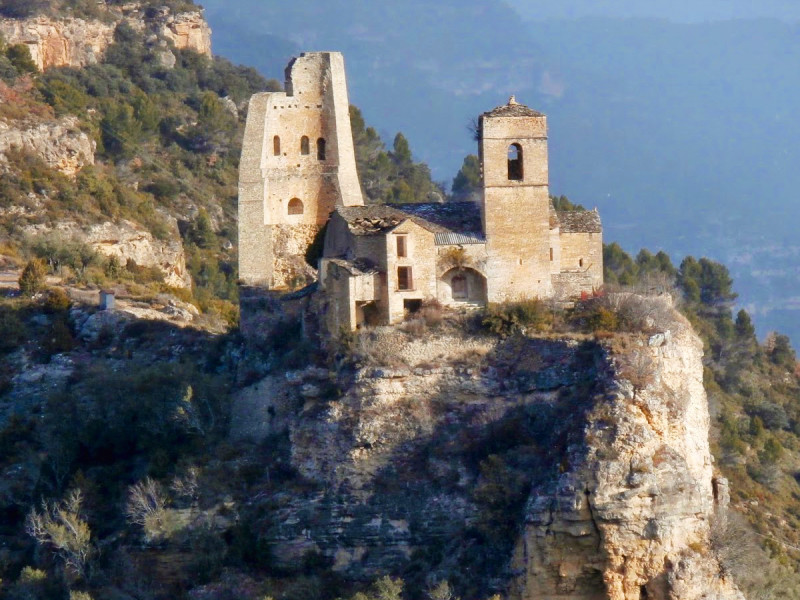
32 279
509 317
20 57
56 300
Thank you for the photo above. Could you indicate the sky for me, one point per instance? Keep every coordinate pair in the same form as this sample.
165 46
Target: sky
683 11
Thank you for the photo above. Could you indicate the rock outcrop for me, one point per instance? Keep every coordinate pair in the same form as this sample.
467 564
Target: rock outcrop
561 469
128 241
60 143
73 42
60 42
632 513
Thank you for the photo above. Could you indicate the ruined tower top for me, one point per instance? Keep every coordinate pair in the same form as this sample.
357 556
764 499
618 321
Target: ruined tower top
297 165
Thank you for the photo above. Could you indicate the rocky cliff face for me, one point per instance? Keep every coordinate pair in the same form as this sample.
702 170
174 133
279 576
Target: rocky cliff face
58 142
128 241
631 514
557 469
78 43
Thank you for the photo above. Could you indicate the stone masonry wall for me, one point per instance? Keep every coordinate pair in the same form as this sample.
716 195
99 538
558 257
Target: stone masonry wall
278 166
516 214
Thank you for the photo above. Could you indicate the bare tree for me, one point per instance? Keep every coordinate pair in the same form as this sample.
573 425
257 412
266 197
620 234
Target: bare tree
62 527
147 507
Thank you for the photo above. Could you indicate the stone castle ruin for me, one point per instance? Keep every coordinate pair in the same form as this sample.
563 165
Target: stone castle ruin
298 174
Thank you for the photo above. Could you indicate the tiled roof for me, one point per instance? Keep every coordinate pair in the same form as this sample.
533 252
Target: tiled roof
579 221
355 267
370 220
456 217
438 218
512 109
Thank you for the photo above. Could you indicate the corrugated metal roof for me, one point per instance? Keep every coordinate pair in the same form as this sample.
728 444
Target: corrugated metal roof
458 239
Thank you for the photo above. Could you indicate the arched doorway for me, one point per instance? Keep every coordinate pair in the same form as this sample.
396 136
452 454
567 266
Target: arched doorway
462 285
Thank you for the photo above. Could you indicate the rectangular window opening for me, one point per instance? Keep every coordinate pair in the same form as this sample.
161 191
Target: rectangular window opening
402 246
404 280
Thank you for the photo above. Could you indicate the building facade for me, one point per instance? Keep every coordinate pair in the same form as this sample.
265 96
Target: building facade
381 262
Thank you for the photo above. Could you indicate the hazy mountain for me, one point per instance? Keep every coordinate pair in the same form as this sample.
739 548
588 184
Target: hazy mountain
684 135
688 11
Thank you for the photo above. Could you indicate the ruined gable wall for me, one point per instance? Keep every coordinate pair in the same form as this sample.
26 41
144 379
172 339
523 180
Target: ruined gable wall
421 257
582 246
516 214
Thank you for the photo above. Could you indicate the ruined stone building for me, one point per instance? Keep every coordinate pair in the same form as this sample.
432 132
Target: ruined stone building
379 262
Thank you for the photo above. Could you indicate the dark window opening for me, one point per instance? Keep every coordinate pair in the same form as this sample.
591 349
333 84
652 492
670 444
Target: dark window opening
321 149
551 254
402 246
459 287
304 149
515 162
295 206
404 280
412 306
580 262
276 146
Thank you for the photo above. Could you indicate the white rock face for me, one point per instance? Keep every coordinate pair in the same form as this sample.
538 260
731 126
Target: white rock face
78 43
59 143
127 240
57 43
632 511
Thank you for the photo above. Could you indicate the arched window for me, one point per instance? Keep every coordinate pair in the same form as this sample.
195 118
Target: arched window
515 162
304 145
295 206
276 145
321 149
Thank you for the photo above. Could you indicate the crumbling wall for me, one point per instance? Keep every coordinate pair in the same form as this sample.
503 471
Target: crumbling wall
297 164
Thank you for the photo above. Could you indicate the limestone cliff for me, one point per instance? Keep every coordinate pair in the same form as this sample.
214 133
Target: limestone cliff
560 468
128 241
73 42
58 142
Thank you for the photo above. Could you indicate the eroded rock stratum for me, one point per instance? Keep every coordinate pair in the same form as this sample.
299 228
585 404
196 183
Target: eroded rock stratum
537 468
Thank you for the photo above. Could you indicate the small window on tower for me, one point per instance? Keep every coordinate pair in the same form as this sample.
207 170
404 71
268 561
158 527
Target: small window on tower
276 146
402 246
295 206
515 162
404 280
580 262
304 148
321 149
551 254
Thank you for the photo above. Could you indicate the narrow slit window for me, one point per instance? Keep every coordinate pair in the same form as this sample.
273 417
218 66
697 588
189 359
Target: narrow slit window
321 149
404 280
580 262
515 162
304 148
295 206
276 145
402 246
551 255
